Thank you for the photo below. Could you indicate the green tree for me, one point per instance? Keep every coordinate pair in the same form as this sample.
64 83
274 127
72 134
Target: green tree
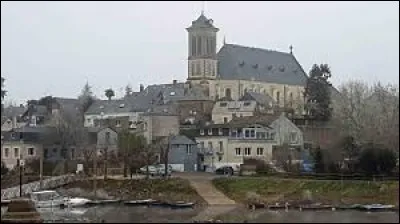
376 160
109 93
318 93
319 161
86 97
3 91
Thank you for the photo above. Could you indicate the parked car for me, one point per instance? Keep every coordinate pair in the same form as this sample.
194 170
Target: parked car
156 170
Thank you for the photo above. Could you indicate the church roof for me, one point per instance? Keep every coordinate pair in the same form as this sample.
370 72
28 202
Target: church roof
203 22
247 63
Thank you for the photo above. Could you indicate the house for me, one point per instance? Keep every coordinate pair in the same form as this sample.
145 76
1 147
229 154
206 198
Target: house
183 154
11 117
156 124
29 143
251 137
224 111
103 139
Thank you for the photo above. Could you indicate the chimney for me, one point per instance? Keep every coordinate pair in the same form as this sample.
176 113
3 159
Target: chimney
174 81
14 122
141 88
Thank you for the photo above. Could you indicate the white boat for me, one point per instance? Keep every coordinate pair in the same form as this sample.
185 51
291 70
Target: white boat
51 199
47 199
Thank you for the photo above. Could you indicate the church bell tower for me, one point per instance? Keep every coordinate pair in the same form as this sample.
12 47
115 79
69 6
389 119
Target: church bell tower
202 60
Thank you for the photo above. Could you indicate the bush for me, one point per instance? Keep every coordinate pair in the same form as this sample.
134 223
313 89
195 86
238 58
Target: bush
4 169
375 160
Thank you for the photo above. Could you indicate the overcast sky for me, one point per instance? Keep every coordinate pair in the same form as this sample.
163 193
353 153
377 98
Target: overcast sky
52 48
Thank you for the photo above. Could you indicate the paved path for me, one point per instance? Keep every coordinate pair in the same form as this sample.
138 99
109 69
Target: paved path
217 201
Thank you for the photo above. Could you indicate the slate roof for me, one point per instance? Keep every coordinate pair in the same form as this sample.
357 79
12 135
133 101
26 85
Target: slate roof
12 111
202 22
262 120
246 63
181 140
69 106
262 99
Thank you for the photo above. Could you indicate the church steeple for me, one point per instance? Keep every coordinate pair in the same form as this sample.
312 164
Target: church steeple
202 55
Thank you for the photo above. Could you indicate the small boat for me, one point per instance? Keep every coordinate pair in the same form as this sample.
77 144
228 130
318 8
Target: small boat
181 204
377 207
140 202
47 199
76 202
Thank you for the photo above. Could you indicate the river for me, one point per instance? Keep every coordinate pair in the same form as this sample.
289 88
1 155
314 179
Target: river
124 214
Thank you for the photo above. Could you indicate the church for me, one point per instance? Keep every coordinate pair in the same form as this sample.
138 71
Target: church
235 69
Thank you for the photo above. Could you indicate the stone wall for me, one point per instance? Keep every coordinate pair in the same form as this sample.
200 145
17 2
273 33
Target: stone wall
49 183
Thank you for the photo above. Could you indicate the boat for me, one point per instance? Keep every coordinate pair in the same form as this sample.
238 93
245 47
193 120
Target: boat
51 199
377 207
47 199
140 202
181 204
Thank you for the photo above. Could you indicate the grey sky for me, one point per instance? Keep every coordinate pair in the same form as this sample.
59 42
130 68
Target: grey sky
54 47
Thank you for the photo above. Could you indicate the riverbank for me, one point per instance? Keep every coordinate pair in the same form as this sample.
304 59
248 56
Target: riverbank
168 190
272 190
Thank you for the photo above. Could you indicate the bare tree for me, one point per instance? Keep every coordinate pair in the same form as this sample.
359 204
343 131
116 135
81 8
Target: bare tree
369 113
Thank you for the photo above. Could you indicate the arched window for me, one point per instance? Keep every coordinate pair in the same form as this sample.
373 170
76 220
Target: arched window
228 93
194 46
278 96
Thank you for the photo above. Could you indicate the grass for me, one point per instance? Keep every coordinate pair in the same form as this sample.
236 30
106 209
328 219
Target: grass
270 190
173 189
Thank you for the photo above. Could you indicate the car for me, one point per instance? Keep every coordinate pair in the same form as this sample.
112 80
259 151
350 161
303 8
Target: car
156 170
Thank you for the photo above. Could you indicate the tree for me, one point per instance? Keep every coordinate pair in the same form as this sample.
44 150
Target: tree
375 160
86 97
131 147
350 150
318 93
369 113
3 91
128 90
109 93
319 161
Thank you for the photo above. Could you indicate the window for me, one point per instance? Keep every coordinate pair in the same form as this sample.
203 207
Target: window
88 120
293 137
209 131
107 137
188 149
201 131
220 131
118 123
198 68
192 68
221 146
228 93
64 153
278 96
31 151
16 152
46 153
72 153
260 135
272 136
237 151
291 100
246 104
209 67
252 133
247 133
225 120
223 104
210 146
260 151
6 152
247 151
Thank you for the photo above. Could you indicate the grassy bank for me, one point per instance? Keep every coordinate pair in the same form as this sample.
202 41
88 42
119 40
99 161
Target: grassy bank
173 189
271 190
